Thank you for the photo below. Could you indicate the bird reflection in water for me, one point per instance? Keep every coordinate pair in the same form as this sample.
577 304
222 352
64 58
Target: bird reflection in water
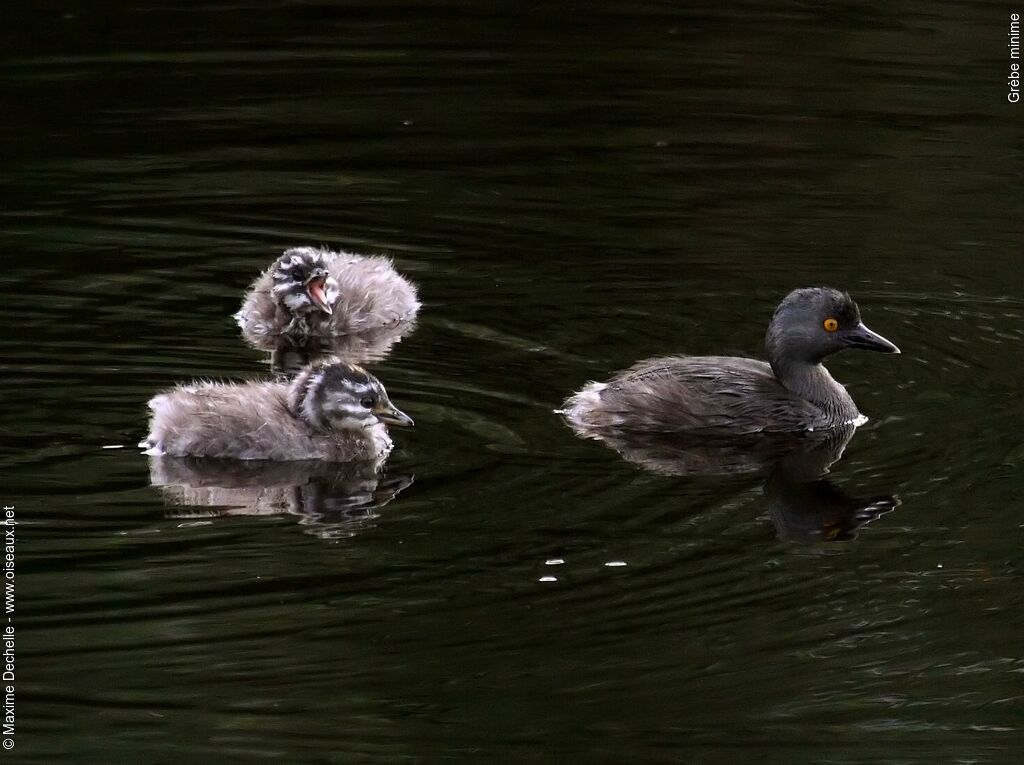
288 357
332 499
803 505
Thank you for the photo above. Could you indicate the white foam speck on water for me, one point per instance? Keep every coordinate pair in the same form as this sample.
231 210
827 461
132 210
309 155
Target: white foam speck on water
615 563
112 446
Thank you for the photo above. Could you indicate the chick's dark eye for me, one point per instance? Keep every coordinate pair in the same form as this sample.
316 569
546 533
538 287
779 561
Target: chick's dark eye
367 402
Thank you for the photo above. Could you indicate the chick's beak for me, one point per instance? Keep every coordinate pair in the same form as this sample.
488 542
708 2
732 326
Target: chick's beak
862 337
315 288
390 415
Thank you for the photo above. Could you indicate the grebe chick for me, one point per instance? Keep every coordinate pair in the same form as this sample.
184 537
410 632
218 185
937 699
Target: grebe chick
336 413
313 293
729 396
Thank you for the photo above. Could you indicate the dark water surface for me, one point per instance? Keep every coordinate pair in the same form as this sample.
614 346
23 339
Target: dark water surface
572 188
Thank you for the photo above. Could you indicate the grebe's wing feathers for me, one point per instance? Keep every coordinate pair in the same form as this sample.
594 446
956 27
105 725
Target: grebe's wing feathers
226 421
696 394
260 315
373 293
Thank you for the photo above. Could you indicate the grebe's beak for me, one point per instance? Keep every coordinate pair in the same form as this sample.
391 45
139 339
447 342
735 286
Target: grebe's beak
315 288
390 415
862 337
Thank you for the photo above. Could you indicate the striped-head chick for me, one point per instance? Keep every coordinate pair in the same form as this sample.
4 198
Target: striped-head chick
342 397
302 284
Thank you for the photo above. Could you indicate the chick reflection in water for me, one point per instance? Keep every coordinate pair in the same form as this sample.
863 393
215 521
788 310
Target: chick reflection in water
332 499
288 358
314 447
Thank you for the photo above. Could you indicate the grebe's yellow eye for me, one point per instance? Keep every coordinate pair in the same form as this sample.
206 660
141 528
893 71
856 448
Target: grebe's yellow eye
831 325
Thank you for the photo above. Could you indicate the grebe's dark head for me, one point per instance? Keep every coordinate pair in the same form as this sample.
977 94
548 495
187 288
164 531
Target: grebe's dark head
813 322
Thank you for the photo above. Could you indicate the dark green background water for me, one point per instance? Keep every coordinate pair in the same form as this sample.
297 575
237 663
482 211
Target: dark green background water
573 187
